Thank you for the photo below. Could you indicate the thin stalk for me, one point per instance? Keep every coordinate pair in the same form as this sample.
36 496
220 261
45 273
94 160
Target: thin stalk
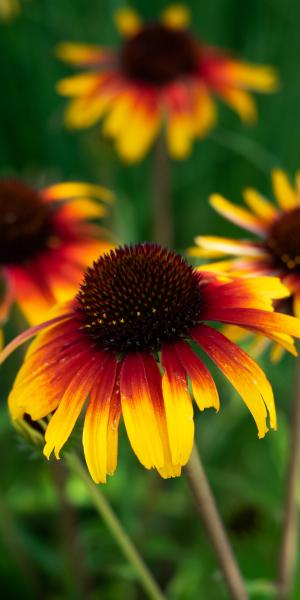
289 540
163 225
208 511
70 534
130 552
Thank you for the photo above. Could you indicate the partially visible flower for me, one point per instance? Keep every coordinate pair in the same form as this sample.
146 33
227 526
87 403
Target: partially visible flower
276 248
46 242
160 77
124 342
9 9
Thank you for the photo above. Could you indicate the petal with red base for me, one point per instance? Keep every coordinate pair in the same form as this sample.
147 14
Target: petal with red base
70 407
143 413
203 385
96 424
178 406
267 322
242 372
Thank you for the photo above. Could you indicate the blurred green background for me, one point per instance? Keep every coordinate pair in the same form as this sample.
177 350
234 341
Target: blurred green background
38 555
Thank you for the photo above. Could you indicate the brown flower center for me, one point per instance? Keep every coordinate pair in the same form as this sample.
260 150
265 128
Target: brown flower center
284 240
158 55
25 222
139 297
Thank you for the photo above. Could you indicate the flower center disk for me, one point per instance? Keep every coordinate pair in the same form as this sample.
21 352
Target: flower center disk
284 240
24 222
138 298
158 55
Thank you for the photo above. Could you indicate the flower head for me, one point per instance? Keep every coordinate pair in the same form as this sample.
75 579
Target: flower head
124 344
275 250
46 242
160 76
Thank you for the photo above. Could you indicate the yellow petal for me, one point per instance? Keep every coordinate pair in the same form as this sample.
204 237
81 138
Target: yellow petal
96 422
138 135
176 16
120 111
260 78
69 409
179 408
180 135
242 103
285 194
238 215
262 207
79 53
85 111
78 85
77 189
127 21
205 114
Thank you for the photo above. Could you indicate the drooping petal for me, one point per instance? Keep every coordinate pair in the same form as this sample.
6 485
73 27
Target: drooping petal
96 423
139 132
119 113
203 385
242 102
236 214
242 372
144 416
69 409
266 321
285 194
204 112
178 406
113 425
180 134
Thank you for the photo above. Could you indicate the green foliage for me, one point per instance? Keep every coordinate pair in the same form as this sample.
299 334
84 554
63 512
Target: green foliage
246 474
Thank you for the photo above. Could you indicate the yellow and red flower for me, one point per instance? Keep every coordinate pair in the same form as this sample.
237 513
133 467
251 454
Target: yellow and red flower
46 242
277 249
160 77
124 342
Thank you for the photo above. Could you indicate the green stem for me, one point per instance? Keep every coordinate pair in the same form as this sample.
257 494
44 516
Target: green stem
289 540
130 552
163 225
208 511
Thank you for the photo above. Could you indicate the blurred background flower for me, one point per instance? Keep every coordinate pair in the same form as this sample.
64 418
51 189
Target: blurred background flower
46 242
160 77
231 157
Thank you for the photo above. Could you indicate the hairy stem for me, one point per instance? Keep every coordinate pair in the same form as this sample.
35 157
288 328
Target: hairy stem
208 511
109 517
289 540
